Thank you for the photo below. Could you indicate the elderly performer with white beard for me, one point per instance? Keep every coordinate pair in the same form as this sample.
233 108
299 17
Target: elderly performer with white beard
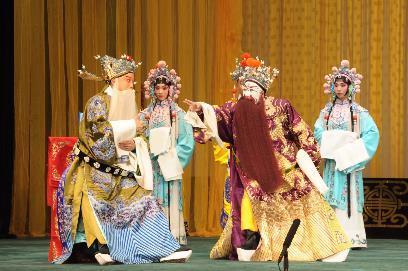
104 198
268 189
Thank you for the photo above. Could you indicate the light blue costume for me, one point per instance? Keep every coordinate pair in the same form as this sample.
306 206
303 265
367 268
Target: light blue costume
339 118
162 188
166 113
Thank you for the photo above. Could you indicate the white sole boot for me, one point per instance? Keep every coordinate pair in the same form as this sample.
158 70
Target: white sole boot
245 255
338 257
104 259
177 257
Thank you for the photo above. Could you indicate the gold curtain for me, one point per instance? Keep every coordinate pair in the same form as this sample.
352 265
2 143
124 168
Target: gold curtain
200 39
304 39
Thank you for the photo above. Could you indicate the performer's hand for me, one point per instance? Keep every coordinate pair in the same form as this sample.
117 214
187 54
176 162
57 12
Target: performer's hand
127 145
139 124
193 106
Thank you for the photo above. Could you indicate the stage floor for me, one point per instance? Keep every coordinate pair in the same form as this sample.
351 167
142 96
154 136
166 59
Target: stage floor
382 254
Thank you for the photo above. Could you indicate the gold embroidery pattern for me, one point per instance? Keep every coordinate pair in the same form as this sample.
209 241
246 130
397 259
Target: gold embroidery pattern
55 174
318 236
54 207
223 247
56 148
296 184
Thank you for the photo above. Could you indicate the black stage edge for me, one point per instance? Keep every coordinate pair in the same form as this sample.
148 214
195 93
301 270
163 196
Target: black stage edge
7 115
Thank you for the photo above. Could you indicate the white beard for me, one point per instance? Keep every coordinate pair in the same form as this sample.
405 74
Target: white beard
122 104
122 108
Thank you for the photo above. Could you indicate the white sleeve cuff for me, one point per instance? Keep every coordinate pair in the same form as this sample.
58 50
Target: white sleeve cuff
309 169
159 140
350 154
122 130
333 140
210 122
145 180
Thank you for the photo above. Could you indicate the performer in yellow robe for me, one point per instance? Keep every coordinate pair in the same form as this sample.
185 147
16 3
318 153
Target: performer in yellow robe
104 198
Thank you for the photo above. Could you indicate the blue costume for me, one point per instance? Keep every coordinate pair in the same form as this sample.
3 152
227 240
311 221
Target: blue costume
346 115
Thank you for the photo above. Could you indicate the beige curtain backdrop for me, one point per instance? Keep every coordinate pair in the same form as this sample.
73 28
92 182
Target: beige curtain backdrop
200 39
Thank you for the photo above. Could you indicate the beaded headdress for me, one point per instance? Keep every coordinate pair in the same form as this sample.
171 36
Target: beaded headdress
111 68
162 74
254 69
343 71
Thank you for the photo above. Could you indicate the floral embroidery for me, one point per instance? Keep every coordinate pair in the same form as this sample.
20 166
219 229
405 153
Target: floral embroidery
96 109
104 148
64 214
160 115
94 128
288 133
108 131
228 190
102 180
298 191
121 215
74 177
128 183
225 112
357 240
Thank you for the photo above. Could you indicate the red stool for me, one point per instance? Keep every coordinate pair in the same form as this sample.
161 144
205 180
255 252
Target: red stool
59 149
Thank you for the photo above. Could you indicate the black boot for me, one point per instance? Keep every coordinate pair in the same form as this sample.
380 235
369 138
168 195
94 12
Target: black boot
252 239
97 247
103 249
81 254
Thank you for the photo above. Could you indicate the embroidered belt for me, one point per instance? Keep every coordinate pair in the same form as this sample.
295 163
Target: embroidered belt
116 171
